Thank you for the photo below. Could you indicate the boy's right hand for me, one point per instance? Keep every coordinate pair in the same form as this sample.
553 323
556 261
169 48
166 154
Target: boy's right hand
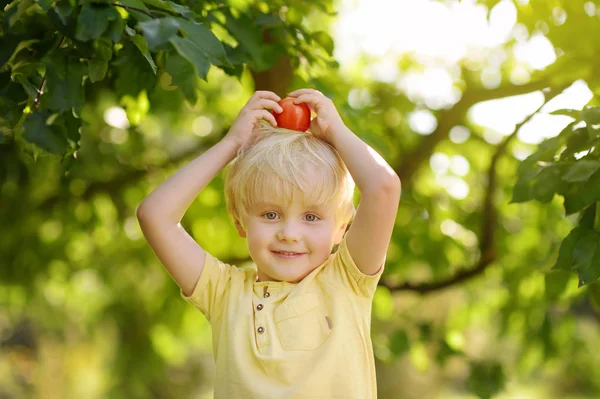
256 108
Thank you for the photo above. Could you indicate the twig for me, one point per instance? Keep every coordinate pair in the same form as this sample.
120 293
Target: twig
40 90
134 9
488 222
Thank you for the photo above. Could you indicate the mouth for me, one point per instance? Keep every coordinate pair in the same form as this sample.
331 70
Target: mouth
287 254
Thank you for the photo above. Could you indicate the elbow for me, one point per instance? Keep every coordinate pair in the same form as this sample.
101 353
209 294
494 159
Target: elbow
391 189
142 212
392 184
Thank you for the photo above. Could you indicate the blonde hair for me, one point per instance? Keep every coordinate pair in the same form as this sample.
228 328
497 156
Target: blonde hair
287 164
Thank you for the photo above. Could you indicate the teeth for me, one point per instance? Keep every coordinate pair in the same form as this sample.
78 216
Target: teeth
287 253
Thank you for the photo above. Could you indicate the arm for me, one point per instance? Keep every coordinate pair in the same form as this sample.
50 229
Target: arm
369 235
160 213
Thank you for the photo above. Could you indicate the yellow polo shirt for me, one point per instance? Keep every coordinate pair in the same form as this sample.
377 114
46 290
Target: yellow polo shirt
276 340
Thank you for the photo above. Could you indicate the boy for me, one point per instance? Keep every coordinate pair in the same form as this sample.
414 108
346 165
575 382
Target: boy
297 326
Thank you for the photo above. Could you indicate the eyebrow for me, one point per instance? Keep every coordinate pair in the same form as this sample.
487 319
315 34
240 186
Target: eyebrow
315 208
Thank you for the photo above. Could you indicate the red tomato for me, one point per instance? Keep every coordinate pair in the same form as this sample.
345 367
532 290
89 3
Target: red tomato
294 116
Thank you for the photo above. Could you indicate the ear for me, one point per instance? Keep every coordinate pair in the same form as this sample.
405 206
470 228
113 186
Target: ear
240 229
339 234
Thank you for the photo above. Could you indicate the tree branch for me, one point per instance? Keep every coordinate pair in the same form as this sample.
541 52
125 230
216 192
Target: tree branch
125 179
488 222
134 9
447 119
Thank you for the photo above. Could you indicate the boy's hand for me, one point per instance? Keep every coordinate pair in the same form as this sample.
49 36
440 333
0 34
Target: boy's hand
328 119
255 109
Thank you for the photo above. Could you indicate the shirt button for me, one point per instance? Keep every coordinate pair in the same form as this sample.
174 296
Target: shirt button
266 295
260 330
259 306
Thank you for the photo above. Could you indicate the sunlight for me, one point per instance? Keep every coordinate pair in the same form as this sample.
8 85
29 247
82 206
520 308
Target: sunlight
116 117
438 36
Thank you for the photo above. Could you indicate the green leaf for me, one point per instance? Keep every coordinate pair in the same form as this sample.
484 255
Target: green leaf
565 259
324 40
586 255
170 6
573 113
115 29
249 36
556 282
71 125
269 20
36 131
129 31
581 194
547 183
159 31
133 72
93 20
8 46
21 10
64 9
142 45
587 217
591 115
103 47
187 49
238 57
140 16
64 89
97 69
12 100
577 141
521 192
206 41
29 87
183 74
486 379
582 170
45 5
11 52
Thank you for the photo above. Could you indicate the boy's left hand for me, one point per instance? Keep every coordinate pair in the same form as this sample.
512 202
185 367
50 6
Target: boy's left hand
328 119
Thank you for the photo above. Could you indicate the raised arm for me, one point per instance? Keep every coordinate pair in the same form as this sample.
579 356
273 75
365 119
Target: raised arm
369 235
160 213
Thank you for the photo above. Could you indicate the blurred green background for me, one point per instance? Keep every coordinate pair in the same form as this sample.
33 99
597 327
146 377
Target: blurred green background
102 100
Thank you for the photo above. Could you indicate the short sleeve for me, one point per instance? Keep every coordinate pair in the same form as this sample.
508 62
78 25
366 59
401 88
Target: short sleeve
343 268
210 291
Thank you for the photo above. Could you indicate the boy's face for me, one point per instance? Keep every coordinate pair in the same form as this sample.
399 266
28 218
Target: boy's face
287 241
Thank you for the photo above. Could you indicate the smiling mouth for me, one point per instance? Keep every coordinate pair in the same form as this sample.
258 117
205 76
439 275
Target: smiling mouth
287 254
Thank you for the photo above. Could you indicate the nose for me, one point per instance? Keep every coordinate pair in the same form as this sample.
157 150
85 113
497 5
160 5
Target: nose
289 231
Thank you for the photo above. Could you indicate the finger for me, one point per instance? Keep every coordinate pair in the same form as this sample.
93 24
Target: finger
266 104
309 98
266 94
312 101
264 114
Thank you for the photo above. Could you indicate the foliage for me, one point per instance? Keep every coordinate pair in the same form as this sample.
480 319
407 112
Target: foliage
56 55
569 165
478 294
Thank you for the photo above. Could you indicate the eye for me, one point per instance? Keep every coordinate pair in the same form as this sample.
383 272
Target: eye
312 217
270 215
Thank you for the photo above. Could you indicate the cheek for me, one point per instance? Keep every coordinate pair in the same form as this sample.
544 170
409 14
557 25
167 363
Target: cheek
257 235
323 237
